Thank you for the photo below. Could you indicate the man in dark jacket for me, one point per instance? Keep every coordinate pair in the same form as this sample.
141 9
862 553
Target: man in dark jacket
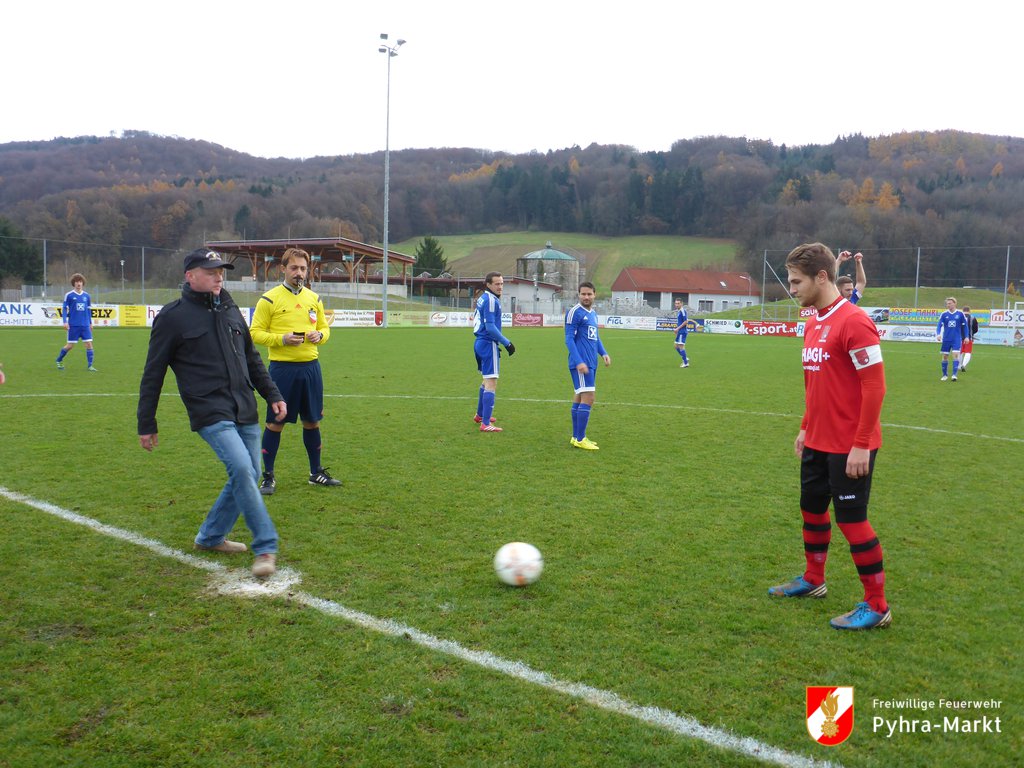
203 338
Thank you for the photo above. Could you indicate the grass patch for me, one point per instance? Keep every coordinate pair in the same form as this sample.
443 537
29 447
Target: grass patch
658 551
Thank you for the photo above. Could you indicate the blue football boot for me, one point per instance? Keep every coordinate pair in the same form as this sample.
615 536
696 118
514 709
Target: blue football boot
862 617
798 587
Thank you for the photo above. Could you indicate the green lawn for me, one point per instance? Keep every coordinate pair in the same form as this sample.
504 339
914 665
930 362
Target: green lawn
606 257
658 552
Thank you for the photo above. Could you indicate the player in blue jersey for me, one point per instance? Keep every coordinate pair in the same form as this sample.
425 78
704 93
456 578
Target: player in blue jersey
585 347
77 314
487 333
681 332
951 331
851 291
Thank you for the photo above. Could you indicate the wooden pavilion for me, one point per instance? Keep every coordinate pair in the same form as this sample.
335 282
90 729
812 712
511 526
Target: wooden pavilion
333 259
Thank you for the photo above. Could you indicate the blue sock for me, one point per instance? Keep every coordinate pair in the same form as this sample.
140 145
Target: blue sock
271 442
63 353
575 421
945 367
487 408
956 366
480 402
313 442
683 351
581 420
89 356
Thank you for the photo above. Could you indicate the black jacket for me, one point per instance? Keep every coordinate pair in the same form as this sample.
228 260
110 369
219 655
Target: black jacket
209 348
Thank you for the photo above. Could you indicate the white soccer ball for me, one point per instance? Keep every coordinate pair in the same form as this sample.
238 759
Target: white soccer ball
518 563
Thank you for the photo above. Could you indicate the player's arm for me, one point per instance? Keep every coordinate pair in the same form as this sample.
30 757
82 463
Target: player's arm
492 328
570 341
872 393
798 444
262 319
861 278
322 326
601 351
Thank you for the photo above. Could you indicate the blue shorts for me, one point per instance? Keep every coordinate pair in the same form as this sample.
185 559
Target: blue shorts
681 336
583 382
950 345
77 333
488 357
302 387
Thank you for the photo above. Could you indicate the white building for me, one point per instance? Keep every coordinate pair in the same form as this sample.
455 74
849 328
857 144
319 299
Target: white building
702 291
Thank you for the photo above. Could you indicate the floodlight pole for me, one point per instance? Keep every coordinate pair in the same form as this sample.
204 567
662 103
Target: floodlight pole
390 51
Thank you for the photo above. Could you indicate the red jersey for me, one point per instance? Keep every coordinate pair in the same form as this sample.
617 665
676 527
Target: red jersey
844 380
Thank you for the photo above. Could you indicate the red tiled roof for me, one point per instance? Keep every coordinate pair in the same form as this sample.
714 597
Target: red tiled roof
683 281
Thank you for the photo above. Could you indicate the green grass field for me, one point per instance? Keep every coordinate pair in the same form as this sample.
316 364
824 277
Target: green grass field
658 552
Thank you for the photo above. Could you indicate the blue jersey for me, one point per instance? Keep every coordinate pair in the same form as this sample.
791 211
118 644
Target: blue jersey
487 319
953 327
581 337
77 309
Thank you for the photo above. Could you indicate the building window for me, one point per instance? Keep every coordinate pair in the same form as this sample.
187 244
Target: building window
705 305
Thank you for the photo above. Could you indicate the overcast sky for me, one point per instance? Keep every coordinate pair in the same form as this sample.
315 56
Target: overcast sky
303 78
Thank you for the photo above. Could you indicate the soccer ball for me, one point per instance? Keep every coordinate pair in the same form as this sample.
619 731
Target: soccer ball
518 563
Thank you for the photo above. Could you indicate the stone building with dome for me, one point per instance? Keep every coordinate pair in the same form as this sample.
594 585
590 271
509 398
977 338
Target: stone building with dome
549 265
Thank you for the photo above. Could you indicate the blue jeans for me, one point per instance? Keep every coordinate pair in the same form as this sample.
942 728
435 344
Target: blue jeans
238 446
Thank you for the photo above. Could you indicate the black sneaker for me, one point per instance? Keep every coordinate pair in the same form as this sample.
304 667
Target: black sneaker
321 477
268 485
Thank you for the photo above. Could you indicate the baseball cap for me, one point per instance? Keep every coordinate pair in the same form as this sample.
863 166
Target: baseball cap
204 258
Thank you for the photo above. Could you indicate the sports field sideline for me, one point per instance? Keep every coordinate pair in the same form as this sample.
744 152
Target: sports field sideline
658 550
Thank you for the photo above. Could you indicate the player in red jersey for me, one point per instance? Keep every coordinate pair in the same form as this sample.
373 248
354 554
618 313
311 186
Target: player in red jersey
844 383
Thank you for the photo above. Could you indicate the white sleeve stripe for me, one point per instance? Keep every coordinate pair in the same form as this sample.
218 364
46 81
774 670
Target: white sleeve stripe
866 356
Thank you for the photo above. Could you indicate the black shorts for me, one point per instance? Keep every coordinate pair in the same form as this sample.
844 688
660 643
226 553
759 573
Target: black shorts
302 387
823 479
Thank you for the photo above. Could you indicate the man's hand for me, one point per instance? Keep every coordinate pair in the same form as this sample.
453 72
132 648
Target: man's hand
583 368
858 462
843 256
510 348
798 444
293 339
314 337
148 441
280 409
607 360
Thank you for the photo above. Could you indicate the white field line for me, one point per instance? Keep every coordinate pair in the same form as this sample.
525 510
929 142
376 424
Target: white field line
562 401
239 583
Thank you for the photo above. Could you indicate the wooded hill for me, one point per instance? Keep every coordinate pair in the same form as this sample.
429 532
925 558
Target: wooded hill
950 192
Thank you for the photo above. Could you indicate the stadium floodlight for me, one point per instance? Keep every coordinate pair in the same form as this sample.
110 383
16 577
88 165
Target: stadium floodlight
391 51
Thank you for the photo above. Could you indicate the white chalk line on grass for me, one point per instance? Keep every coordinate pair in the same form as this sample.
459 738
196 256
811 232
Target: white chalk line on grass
238 583
557 401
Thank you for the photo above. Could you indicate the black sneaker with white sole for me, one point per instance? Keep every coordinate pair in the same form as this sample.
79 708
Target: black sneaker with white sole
322 477
268 485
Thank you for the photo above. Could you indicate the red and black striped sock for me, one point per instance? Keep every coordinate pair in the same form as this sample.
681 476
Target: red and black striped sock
817 535
867 556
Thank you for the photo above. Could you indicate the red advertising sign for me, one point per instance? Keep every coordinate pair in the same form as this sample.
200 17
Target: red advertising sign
524 319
